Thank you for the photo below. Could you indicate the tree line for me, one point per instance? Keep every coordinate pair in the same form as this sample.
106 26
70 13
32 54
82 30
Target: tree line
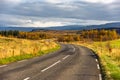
91 35
24 35
94 35
9 33
100 35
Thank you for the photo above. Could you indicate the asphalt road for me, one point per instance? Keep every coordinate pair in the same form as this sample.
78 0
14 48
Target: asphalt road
69 63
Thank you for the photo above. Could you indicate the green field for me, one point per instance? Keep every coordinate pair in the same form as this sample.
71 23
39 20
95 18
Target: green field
110 60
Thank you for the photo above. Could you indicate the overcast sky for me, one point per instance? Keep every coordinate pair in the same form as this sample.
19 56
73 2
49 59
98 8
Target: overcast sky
44 13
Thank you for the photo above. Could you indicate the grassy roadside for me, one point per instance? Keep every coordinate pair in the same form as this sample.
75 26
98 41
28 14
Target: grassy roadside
110 60
27 56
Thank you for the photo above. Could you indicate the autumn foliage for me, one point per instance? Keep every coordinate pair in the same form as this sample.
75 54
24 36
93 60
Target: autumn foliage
65 36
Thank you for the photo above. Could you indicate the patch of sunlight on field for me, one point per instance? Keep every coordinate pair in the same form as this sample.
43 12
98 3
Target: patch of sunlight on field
109 59
11 47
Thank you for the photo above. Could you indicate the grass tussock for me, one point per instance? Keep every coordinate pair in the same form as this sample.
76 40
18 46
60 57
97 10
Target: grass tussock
12 49
109 53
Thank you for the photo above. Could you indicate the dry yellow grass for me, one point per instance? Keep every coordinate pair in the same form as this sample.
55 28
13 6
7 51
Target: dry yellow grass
13 46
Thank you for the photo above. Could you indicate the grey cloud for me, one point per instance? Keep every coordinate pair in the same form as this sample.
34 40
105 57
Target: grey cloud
76 10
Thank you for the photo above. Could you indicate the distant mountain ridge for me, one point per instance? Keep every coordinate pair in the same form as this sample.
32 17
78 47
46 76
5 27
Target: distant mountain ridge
115 25
80 27
17 28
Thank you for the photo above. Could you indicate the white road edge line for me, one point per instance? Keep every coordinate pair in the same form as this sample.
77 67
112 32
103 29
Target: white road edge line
98 66
3 66
22 60
73 48
66 57
50 66
100 77
96 60
26 78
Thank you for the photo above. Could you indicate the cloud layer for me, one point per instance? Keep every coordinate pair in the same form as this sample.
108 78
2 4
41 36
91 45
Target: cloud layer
37 13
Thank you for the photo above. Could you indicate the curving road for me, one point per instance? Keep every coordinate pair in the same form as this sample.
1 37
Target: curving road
69 63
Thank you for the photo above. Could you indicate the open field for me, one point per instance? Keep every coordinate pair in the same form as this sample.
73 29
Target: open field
109 53
13 49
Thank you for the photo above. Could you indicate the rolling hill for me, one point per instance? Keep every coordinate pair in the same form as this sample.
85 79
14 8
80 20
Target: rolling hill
115 25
